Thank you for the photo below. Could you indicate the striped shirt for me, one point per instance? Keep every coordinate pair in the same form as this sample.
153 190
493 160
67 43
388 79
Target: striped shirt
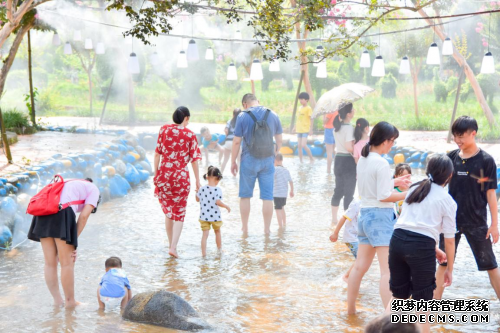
281 179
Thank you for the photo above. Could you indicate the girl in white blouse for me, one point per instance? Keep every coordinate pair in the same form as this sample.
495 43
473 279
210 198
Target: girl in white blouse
376 221
428 211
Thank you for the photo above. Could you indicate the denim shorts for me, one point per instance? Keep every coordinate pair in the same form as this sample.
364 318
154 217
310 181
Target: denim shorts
375 226
302 135
354 248
261 169
329 138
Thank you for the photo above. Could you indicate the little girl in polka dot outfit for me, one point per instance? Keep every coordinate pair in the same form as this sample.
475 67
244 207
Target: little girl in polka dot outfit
210 199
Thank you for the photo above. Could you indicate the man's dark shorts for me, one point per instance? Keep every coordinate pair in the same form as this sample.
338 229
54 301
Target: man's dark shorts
481 247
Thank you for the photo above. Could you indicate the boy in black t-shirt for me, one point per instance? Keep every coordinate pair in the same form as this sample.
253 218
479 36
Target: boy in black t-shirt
473 187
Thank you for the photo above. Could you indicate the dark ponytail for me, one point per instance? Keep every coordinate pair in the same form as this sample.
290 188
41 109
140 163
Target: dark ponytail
236 113
213 172
179 114
439 170
361 124
343 111
381 132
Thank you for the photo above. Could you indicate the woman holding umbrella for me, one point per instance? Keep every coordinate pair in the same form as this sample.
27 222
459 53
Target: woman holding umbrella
341 98
345 166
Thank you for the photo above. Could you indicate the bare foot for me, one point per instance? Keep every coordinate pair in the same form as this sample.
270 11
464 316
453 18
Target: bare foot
59 303
311 160
73 304
173 253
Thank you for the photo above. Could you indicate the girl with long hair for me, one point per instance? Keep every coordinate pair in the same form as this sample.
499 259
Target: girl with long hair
229 130
376 221
344 167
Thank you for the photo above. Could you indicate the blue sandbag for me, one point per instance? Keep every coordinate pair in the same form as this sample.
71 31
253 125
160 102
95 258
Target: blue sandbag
104 181
407 155
128 158
132 175
81 130
79 175
114 154
8 207
122 148
421 165
222 137
118 186
82 164
389 159
11 188
3 180
315 151
415 157
5 237
130 148
144 175
98 170
414 165
423 157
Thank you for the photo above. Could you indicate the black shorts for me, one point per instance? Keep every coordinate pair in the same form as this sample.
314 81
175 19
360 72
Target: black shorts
412 263
481 247
59 225
279 203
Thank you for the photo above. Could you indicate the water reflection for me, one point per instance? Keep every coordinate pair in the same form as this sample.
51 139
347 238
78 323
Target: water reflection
289 281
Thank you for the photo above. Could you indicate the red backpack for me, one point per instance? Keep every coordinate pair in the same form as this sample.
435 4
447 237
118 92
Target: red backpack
48 200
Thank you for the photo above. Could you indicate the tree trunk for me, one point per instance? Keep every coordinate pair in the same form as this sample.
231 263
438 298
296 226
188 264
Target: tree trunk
5 71
414 79
304 67
467 70
457 97
131 101
30 73
13 24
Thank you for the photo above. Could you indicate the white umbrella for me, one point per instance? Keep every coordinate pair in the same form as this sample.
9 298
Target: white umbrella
330 101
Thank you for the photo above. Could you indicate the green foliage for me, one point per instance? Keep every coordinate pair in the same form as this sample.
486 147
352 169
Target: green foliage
48 101
440 92
489 85
27 99
388 84
349 71
284 74
14 119
392 68
451 84
319 84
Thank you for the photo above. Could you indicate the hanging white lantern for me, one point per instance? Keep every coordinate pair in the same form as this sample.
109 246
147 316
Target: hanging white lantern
154 59
488 65
365 61
274 65
447 47
321 70
133 64
319 55
182 60
77 36
404 68
256 71
56 41
433 57
88 44
378 68
209 54
232 73
67 48
192 51
238 36
99 48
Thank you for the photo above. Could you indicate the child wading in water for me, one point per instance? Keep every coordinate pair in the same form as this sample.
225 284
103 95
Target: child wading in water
428 211
361 132
281 179
114 289
350 237
210 199
402 169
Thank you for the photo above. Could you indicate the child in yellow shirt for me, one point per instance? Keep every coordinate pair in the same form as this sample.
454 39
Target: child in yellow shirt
304 126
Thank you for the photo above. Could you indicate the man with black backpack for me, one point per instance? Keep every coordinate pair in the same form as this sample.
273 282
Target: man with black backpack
255 129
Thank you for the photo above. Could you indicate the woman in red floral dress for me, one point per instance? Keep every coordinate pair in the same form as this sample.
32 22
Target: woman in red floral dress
177 146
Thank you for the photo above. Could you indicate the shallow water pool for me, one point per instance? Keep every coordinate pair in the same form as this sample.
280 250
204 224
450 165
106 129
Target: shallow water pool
287 282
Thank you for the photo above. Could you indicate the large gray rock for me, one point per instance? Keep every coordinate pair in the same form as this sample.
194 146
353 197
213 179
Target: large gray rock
166 309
